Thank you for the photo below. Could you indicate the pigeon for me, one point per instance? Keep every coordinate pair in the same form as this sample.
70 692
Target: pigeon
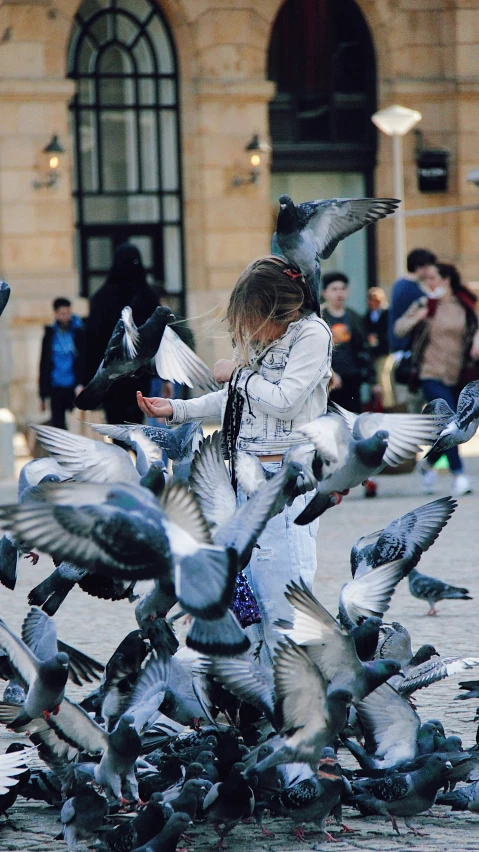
405 794
44 680
189 797
123 532
407 537
342 464
229 801
419 674
82 815
332 649
309 232
121 674
129 352
462 799
432 590
178 443
460 426
4 295
168 838
314 798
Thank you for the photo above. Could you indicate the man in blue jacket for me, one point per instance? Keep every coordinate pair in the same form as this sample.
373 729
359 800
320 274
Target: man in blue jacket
405 291
61 362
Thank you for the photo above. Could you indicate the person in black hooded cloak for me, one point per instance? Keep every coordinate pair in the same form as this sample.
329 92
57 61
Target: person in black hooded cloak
125 284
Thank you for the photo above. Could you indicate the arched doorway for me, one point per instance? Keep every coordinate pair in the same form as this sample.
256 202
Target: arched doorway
321 57
127 175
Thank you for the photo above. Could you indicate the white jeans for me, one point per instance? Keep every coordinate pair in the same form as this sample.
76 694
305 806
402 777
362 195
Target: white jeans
286 552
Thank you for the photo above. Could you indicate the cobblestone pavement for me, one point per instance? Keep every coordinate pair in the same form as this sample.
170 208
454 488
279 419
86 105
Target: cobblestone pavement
96 627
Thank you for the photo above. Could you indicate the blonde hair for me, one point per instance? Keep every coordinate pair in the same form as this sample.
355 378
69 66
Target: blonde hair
268 290
380 295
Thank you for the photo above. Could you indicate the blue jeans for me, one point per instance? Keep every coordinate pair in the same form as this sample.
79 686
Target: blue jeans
286 552
434 389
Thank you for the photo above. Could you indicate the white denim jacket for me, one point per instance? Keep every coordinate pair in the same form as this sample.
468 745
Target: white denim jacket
285 387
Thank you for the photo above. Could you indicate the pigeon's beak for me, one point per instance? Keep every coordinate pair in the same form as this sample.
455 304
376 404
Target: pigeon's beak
448 764
282 206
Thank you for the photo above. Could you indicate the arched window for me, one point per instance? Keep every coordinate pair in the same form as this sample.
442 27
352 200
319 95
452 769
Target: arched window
127 175
321 57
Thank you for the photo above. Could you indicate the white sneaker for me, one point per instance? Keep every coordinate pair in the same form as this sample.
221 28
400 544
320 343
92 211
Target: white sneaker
461 485
428 476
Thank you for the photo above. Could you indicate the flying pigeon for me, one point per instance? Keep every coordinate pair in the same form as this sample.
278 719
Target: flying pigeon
309 232
460 426
43 679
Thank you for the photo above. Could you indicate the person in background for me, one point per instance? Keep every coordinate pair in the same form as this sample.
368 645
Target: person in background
376 325
443 328
62 362
351 362
405 291
126 284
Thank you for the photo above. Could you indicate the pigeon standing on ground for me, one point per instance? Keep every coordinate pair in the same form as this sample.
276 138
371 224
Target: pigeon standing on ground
229 801
432 590
405 794
460 426
309 232
82 816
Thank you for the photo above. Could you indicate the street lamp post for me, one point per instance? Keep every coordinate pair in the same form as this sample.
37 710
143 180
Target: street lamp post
396 121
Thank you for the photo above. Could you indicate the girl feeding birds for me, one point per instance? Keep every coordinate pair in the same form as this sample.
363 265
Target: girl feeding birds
277 381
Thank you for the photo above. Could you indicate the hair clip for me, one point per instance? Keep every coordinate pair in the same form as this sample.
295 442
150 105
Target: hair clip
292 275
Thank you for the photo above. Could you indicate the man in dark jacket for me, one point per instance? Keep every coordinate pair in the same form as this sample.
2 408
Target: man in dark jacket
61 362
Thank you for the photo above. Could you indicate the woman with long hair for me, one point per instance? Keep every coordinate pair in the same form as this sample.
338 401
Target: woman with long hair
277 381
445 340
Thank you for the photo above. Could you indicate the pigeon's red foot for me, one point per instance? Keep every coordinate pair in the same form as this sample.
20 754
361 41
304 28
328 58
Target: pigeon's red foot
432 611
394 824
265 832
46 715
33 556
329 837
299 833
345 829
196 724
56 710
187 838
247 820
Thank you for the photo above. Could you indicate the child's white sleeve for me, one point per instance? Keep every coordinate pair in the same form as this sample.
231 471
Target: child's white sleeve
309 362
209 405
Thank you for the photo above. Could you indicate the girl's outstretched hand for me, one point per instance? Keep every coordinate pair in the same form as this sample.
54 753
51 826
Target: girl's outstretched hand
223 370
154 406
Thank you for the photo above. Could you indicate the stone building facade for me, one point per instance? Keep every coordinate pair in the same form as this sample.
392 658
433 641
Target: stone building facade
426 58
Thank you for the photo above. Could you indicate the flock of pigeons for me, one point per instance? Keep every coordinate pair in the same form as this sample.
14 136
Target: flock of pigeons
212 730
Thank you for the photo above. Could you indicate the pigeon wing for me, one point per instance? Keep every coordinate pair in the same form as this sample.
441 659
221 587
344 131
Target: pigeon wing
81 668
370 594
468 405
176 362
433 670
245 679
210 481
406 433
300 689
86 459
391 725
12 765
330 436
333 220
131 337
40 634
22 660
75 727
149 690
416 531
249 472
329 646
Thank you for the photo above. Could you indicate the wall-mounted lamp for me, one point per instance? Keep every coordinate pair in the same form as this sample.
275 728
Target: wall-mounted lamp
255 148
51 157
